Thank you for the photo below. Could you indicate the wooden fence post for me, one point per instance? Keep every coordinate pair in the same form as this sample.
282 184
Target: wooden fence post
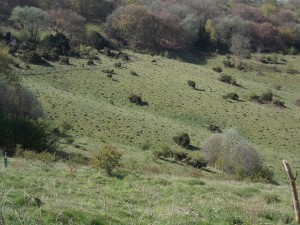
292 180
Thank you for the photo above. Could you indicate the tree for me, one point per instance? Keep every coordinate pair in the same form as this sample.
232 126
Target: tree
240 45
211 30
67 22
31 19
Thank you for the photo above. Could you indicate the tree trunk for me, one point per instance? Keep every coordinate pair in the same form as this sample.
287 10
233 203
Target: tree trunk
292 180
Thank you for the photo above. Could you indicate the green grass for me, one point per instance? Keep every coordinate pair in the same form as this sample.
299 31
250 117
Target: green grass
85 196
157 191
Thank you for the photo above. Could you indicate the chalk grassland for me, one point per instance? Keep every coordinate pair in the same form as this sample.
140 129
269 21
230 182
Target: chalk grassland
98 108
51 194
157 191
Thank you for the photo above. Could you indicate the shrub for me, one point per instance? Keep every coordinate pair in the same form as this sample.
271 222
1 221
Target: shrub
278 103
118 65
266 97
227 79
164 152
136 99
229 62
106 51
58 41
64 60
232 95
217 69
90 63
234 155
32 57
97 41
182 140
133 73
192 84
297 103
107 158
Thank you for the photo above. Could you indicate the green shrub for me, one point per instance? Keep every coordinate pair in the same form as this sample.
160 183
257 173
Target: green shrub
118 65
32 57
133 73
97 41
182 139
297 103
107 158
266 97
232 95
90 63
27 133
227 79
217 69
136 99
58 41
229 62
192 84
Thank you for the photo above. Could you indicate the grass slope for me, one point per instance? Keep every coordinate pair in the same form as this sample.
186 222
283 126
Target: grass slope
155 191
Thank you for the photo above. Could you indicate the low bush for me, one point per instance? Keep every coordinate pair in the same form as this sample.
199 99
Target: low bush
192 84
90 63
97 41
266 97
227 79
133 73
232 154
232 95
278 103
217 69
182 139
136 99
32 57
229 62
58 41
297 103
64 60
118 65
107 158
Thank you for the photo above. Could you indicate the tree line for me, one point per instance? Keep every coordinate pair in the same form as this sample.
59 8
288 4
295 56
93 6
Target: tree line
239 26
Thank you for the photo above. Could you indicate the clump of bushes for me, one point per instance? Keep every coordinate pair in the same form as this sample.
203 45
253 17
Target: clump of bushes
107 158
217 69
227 79
59 42
136 99
230 153
182 139
118 65
266 97
192 84
231 95
182 157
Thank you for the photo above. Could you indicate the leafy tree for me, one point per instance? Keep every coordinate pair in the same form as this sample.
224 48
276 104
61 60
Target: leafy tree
67 22
240 45
31 19
210 28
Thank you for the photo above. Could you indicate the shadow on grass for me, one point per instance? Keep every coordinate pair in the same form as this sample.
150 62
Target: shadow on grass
196 57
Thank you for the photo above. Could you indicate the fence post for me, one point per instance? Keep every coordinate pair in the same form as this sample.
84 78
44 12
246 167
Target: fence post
292 180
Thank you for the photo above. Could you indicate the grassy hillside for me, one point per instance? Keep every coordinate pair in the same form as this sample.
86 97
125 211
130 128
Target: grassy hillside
98 109
152 191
